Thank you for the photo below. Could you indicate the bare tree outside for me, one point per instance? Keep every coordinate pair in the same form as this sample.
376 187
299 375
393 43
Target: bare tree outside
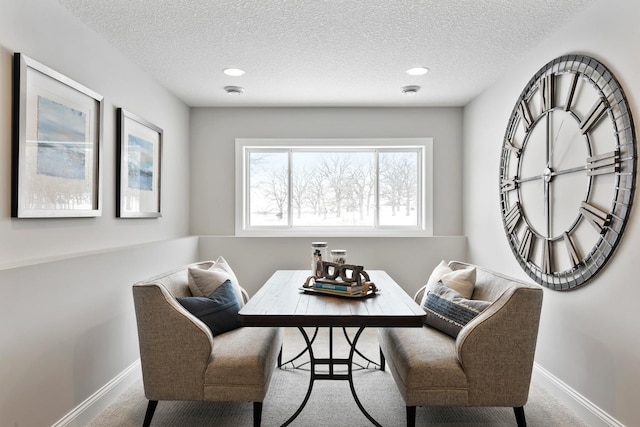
334 188
277 191
268 188
302 195
398 187
362 178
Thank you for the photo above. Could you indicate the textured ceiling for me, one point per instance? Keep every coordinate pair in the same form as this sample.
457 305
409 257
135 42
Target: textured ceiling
325 52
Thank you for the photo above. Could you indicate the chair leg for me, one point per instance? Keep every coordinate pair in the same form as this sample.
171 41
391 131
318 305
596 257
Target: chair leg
151 408
280 358
411 416
519 411
382 360
257 414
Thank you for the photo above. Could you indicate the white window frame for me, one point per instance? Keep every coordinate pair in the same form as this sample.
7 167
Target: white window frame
244 145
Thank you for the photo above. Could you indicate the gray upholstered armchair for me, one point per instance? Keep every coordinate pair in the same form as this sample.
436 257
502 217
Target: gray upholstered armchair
490 361
182 360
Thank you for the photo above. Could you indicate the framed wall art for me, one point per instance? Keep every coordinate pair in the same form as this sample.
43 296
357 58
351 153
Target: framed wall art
56 144
139 167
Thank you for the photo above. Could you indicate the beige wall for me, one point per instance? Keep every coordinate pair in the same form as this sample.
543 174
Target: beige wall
588 337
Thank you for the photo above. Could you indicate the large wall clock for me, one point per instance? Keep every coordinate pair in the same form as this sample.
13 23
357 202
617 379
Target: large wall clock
567 172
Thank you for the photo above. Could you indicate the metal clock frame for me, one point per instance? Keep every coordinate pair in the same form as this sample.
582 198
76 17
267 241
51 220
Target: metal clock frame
614 106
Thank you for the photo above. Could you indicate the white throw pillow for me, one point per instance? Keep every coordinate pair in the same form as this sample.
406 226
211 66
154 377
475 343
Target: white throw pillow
440 270
462 281
203 282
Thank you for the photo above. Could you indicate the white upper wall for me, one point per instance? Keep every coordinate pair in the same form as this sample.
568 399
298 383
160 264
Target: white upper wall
213 133
588 337
68 326
48 33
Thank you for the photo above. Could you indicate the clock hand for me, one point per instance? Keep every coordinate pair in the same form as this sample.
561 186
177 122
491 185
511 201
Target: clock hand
551 174
555 146
571 170
531 178
546 175
547 203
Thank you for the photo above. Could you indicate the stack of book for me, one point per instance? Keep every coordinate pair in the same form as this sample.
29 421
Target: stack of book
338 287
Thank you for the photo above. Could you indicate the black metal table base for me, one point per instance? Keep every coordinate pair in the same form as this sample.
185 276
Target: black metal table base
331 362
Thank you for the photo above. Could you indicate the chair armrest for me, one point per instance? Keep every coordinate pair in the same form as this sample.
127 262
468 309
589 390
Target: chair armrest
175 347
497 348
420 294
245 295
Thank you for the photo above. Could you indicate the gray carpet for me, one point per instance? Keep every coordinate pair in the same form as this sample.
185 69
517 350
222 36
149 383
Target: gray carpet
331 403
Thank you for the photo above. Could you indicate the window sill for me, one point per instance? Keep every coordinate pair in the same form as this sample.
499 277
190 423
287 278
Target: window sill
334 233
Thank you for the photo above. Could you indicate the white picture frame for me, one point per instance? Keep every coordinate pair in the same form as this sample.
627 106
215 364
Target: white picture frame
56 144
139 167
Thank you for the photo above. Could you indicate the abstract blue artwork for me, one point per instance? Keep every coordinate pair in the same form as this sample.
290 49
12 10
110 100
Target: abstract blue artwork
62 142
140 163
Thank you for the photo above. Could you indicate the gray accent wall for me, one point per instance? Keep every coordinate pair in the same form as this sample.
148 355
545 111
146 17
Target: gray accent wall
409 260
213 133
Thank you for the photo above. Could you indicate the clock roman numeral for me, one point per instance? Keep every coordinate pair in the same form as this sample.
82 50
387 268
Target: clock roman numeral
547 258
513 217
604 163
509 146
571 93
571 249
526 244
592 117
525 115
597 218
547 89
508 185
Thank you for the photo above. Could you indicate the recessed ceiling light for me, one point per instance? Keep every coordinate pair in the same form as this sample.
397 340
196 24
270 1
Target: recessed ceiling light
417 71
234 72
410 90
234 90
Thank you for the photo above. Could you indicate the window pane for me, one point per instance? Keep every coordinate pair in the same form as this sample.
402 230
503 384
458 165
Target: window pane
333 188
398 188
268 189
298 187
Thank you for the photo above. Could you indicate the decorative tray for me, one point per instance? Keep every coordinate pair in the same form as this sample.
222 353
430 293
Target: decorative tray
371 292
334 279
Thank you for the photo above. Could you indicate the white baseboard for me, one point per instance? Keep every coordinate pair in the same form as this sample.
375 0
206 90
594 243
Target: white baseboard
97 402
581 406
82 414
